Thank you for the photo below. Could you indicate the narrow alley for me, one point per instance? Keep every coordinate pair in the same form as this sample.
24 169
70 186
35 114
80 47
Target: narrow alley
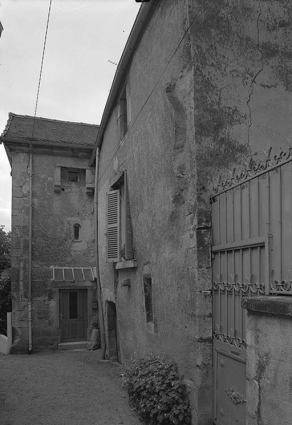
62 388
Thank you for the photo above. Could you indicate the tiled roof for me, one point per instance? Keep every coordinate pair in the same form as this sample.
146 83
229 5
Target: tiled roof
20 127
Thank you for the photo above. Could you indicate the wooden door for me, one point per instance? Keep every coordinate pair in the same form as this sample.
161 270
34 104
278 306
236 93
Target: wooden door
73 315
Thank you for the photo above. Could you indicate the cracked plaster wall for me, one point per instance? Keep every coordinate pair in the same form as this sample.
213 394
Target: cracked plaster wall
52 243
242 74
269 358
158 154
241 55
215 89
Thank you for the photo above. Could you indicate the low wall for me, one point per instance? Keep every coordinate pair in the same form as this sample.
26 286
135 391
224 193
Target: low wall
6 341
269 360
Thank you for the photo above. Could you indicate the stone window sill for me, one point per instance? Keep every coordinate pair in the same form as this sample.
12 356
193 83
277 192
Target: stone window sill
130 264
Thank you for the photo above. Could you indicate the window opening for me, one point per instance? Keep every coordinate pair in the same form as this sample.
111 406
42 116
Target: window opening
73 310
119 226
76 228
148 299
73 176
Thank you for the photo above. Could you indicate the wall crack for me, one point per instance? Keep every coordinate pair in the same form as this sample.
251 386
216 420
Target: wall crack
251 87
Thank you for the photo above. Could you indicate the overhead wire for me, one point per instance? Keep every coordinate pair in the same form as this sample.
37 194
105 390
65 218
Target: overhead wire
41 70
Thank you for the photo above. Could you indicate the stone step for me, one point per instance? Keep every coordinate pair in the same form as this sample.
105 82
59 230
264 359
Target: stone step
78 345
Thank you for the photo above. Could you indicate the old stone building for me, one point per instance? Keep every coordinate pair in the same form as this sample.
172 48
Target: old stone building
201 88
52 231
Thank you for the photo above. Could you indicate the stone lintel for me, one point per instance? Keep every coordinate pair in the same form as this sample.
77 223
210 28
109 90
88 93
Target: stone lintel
65 284
281 306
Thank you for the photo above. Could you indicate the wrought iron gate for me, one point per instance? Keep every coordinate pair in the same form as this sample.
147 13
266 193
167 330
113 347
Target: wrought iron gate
251 255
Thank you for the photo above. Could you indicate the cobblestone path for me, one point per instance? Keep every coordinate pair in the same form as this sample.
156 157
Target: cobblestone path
62 388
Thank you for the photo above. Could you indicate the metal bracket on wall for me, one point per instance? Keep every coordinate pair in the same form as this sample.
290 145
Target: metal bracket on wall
207 292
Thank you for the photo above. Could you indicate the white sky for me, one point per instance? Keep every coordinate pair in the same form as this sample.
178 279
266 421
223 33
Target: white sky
83 35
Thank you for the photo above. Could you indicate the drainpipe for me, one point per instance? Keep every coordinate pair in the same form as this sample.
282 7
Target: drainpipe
98 284
30 254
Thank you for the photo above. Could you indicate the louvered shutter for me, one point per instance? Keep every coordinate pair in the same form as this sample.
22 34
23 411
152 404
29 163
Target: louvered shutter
129 249
113 226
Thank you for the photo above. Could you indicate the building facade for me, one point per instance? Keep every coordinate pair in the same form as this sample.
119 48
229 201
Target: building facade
201 87
53 251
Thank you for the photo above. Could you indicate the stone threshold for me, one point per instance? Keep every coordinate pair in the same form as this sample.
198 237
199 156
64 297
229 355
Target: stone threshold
78 345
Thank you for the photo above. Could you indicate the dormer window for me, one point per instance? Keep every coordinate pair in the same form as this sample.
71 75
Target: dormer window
73 176
76 231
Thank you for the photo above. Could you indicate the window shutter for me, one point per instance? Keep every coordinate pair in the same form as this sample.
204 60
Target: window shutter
129 249
113 226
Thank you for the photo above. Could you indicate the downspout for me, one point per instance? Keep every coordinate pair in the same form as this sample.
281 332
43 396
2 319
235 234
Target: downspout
30 254
98 284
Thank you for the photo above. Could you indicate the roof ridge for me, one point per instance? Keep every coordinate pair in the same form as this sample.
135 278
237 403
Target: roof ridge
49 119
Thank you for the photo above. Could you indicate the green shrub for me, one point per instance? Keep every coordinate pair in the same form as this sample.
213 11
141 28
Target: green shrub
5 302
157 392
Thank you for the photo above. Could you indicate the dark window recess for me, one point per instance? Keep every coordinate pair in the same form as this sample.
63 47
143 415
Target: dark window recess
148 299
123 114
73 311
76 232
73 176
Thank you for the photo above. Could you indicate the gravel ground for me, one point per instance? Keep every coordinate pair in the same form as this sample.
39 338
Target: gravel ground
62 388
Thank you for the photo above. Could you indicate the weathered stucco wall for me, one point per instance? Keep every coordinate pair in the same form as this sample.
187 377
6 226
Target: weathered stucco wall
242 73
158 154
53 216
269 359
209 85
241 56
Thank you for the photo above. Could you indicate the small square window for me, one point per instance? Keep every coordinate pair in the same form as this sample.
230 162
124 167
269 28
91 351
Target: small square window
73 176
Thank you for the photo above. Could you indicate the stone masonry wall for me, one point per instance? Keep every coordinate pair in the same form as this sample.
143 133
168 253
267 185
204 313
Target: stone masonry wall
52 242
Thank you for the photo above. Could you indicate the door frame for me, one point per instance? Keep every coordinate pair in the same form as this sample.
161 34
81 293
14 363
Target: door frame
76 289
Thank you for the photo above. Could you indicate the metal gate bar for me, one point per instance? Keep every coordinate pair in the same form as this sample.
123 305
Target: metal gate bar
251 255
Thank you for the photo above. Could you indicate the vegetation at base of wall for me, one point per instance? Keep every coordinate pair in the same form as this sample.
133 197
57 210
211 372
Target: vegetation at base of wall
5 303
157 392
5 280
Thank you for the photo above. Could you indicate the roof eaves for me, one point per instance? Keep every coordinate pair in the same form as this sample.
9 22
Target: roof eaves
5 131
45 143
123 65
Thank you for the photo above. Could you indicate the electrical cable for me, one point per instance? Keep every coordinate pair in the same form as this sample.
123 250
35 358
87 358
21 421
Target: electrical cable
41 70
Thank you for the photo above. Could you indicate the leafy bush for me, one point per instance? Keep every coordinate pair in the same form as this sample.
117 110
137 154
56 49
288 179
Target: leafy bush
5 281
157 392
5 302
